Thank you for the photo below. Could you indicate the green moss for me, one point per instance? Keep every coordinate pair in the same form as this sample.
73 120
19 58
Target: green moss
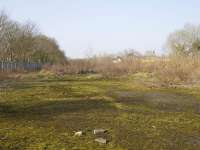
44 113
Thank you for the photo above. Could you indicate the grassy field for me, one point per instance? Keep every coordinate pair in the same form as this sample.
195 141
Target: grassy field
43 113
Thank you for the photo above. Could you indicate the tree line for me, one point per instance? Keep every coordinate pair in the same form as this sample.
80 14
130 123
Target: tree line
24 43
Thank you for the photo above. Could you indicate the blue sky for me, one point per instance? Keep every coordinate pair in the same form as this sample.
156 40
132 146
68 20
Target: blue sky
98 26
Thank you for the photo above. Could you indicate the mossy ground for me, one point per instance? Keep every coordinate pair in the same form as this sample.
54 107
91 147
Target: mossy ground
43 113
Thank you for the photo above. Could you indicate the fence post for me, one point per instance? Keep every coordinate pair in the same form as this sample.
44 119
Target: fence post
6 66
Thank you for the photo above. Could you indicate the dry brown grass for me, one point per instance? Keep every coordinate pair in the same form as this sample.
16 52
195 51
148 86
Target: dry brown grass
169 70
179 69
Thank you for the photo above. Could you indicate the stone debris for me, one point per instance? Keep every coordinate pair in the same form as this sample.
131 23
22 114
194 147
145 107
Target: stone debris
154 127
98 131
101 140
79 133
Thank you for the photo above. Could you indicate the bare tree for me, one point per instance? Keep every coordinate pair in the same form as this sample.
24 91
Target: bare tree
185 41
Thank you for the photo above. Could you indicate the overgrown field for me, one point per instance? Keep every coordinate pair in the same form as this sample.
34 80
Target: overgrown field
43 113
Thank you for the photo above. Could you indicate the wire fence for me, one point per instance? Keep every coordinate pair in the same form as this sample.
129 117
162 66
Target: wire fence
19 66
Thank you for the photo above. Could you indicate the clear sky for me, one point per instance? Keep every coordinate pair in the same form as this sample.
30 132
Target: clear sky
81 26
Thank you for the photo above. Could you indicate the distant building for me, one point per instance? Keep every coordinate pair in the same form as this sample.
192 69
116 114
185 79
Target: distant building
117 60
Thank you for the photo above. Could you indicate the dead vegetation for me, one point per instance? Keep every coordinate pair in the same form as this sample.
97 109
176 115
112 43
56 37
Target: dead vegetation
169 70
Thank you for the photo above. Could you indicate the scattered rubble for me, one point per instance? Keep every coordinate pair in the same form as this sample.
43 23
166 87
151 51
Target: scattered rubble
95 132
101 140
79 133
98 131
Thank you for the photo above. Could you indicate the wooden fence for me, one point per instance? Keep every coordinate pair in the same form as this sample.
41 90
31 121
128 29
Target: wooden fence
18 66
